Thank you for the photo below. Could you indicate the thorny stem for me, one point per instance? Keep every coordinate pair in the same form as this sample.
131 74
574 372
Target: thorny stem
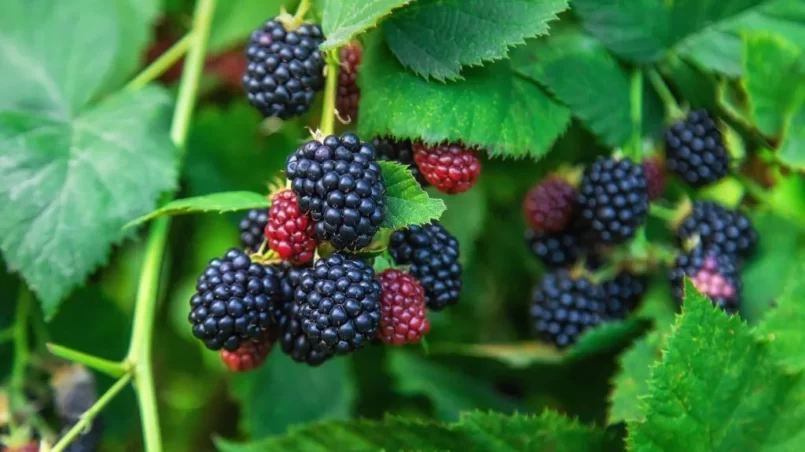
328 110
636 109
161 64
672 109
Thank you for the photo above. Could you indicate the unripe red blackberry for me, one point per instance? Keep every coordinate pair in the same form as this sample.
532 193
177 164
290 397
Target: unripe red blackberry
718 227
713 273
548 206
349 93
655 176
403 318
399 151
563 307
694 150
613 200
285 69
290 233
451 167
250 355
252 229
340 185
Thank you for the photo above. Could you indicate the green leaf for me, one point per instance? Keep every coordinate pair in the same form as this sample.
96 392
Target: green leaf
435 38
792 149
716 388
580 71
774 76
784 326
70 184
421 375
234 21
406 202
343 19
283 393
232 201
631 382
492 108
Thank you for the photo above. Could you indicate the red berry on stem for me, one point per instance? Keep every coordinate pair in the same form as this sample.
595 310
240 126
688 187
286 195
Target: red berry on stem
290 233
249 356
451 167
349 93
655 175
548 206
403 317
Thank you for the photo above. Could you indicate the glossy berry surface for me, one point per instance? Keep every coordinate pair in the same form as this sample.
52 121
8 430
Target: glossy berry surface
451 168
292 340
623 294
563 307
289 232
399 151
556 249
249 356
719 227
252 229
548 206
348 95
713 273
694 150
403 317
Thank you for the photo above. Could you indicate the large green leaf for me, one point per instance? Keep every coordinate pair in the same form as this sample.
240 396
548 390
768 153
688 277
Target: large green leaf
70 184
716 388
343 19
492 107
792 149
406 202
784 327
435 38
230 201
631 382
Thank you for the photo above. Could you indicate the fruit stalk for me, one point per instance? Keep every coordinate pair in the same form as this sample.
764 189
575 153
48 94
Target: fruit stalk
672 109
161 64
328 110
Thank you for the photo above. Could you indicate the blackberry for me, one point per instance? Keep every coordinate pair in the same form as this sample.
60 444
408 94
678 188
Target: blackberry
433 254
694 150
716 226
349 93
284 69
713 273
655 176
563 307
252 229
339 304
623 294
548 206
289 232
613 200
250 355
340 185
293 341
555 249
403 319
399 151
233 300
451 167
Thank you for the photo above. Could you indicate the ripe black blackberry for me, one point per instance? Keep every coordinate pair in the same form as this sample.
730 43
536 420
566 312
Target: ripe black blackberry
339 304
728 230
433 254
713 273
293 341
613 200
340 185
402 151
555 249
563 307
694 149
285 69
252 229
233 301
623 294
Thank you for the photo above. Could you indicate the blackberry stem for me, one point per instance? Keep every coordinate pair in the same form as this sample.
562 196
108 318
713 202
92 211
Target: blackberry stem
299 15
21 353
663 213
328 110
634 149
672 109
161 64
111 368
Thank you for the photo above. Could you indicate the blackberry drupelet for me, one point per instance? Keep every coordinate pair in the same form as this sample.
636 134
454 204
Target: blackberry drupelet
728 230
284 69
388 148
403 318
250 355
433 254
655 176
349 93
252 229
713 273
340 185
563 307
293 341
339 304
549 205
613 200
623 294
233 301
451 167
694 150
555 249
289 232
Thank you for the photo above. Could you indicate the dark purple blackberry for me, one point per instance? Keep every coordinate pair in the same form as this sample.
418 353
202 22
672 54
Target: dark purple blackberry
252 229
694 150
284 69
433 254
292 340
233 301
555 249
623 294
728 230
399 151
340 185
613 200
563 307
713 273
338 304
